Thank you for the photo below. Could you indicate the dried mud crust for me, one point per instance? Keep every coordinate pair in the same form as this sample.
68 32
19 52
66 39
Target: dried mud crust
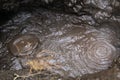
110 74
25 75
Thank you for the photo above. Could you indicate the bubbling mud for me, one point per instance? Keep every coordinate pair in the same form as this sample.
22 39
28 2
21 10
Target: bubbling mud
23 45
73 50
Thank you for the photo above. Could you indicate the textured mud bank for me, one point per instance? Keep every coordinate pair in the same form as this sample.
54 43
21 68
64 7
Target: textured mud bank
64 48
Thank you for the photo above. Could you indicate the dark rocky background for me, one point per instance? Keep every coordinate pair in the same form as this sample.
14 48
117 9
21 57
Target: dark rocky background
97 9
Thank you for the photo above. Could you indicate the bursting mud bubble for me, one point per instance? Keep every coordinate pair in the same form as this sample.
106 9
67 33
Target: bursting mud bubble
23 45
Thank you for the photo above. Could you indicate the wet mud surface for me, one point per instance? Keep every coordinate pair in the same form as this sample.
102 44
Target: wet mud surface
59 37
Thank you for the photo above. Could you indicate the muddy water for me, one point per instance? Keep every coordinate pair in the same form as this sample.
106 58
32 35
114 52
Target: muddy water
68 45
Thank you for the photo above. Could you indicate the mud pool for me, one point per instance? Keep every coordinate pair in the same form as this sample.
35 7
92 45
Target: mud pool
65 46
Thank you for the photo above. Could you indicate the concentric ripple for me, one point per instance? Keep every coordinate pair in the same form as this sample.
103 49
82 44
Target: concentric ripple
99 55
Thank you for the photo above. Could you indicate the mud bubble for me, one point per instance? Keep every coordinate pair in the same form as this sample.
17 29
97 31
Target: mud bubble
23 45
